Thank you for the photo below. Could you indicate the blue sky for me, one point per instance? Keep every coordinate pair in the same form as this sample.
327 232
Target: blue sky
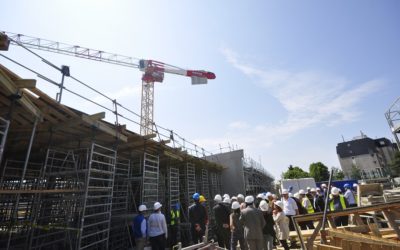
292 76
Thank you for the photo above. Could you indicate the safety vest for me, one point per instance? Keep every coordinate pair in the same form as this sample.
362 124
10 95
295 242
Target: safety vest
310 209
174 217
342 202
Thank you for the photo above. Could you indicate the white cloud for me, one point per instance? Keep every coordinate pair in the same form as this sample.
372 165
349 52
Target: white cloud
309 97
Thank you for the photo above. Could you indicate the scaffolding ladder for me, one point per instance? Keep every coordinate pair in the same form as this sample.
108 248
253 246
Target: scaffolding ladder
173 186
191 181
119 235
96 212
4 125
150 179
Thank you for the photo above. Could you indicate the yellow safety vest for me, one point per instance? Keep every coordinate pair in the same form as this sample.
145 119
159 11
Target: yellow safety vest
342 202
174 217
309 208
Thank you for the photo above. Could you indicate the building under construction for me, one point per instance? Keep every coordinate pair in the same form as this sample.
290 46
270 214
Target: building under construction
72 180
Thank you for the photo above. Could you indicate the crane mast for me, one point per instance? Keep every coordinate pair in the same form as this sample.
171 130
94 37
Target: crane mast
153 71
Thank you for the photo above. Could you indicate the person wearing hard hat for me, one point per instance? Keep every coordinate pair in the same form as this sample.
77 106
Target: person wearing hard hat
253 223
236 228
324 190
306 203
139 228
234 198
157 228
338 203
281 223
291 207
240 198
221 213
259 198
268 230
174 224
349 195
197 219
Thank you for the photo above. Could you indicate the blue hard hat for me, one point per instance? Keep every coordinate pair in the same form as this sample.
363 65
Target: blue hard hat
290 188
177 206
347 185
196 196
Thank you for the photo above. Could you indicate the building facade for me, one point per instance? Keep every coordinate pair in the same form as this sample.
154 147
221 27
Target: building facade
372 157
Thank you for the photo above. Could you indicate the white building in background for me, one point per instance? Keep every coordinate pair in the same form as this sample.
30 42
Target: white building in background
371 156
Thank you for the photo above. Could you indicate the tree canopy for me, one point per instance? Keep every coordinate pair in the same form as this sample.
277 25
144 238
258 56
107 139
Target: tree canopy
355 173
337 174
319 171
295 173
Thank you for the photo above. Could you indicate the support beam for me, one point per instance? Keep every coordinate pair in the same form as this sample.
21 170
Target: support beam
25 83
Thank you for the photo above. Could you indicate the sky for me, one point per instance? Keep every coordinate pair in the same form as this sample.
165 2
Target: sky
293 77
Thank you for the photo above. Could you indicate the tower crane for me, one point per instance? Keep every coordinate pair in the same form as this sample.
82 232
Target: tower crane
153 71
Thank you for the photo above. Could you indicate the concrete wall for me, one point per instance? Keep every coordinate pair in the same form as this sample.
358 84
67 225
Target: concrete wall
232 178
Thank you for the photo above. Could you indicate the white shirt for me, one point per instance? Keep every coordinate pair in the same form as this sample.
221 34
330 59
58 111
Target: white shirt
289 206
157 225
350 197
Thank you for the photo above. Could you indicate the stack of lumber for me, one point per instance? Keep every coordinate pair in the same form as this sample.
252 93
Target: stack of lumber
343 238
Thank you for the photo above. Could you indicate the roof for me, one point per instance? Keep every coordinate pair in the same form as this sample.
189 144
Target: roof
361 146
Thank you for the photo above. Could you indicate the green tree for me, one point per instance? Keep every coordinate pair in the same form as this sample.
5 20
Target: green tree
337 174
319 171
395 165
355 173
294 173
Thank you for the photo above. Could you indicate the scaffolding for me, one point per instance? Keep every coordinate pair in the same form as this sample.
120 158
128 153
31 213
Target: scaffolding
4 124
393 119
150 180
173 180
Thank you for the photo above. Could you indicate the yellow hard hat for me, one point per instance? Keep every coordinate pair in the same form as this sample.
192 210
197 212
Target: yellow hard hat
202 199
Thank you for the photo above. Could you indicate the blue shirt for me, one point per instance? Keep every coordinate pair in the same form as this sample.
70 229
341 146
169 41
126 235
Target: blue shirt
157 225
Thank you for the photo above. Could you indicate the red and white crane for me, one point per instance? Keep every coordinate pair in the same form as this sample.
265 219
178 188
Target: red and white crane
153 71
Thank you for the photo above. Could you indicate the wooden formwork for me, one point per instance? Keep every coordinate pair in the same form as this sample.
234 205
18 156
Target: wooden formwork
355 236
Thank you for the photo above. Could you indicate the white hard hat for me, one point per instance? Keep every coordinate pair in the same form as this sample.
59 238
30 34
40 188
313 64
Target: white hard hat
268 194
285 191
279 204
335 191
263 205
227 200
296 195
249 199
318 189
323 185
301 191
157 205
355 185
308 188
218 198
142 208
235 205
234 198
313 190
260 195
240 196
226 196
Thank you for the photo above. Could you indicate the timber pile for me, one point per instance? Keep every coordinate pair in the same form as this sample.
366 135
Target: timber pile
374 193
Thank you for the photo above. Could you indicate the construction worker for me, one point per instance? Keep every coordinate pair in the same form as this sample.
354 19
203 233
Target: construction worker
237 232
139 228
324 190
349 195
203 201
253 222
291 207
268 230
221 213
197 219
157 228
240 198
306 203
258 200
338 203
174 224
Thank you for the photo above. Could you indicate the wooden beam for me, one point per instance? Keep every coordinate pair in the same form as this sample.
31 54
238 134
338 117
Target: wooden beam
149 136
25 83
103 127
11 88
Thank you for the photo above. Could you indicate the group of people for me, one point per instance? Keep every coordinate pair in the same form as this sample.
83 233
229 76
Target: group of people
253 223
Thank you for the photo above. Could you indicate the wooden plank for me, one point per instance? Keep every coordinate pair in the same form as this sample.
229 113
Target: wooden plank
10 87
374 230
310 241
41 191
393 224
104 128
25 83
